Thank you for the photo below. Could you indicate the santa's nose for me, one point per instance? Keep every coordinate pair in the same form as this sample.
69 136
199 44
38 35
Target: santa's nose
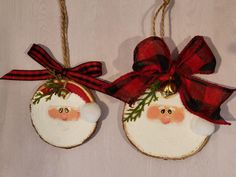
64 116
166 120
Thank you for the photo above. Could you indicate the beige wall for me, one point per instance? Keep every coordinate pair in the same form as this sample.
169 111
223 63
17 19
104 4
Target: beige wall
107 30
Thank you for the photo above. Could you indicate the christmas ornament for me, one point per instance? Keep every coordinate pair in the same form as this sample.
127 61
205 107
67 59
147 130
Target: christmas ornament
63 111
65 120
170 113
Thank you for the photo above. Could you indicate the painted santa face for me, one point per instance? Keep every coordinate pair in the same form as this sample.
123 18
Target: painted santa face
60 122
164 130
166 114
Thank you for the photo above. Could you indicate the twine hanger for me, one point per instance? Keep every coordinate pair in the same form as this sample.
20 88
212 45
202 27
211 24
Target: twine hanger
162 23
64 38
167 88
64 34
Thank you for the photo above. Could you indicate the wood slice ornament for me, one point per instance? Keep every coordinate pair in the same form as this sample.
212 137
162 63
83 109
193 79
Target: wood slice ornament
63 111
174 113
66 119
169 112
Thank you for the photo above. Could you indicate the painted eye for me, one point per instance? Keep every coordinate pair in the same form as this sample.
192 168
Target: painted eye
60 110
169 111
163 111
66 110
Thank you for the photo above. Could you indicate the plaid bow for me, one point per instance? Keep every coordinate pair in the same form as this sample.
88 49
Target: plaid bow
152 63
84 74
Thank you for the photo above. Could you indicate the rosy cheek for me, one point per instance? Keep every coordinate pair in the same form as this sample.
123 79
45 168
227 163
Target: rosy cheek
178 115
153 112
53 113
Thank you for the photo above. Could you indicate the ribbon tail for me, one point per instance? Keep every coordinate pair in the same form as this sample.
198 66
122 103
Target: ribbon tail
129 87
204 99
27 75
43 58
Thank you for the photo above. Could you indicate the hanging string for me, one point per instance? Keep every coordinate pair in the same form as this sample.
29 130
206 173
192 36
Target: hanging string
162 23
64 34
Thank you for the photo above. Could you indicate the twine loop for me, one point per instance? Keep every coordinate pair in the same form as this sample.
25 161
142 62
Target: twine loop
163 7
64 34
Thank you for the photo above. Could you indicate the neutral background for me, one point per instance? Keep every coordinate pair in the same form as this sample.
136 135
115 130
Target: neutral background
108 31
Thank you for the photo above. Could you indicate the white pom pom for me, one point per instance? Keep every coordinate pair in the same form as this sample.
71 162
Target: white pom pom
90 112
202 127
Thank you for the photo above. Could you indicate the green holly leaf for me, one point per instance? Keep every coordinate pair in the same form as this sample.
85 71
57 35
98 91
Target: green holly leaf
133 113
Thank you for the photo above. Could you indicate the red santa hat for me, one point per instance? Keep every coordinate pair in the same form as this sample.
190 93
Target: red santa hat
90 111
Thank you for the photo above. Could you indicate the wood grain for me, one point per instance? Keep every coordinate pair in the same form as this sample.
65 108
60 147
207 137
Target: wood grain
107 30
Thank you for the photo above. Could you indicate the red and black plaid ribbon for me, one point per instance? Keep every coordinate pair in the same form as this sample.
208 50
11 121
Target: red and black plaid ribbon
152 62
84 74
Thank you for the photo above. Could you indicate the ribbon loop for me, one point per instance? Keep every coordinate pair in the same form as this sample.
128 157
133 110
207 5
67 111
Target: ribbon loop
92 68
43 58
151 47
196 58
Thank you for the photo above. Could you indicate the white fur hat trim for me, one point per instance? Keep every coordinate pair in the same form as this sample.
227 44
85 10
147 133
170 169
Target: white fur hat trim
90 112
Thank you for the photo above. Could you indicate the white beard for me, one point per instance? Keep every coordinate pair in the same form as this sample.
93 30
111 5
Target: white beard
173 140
58 132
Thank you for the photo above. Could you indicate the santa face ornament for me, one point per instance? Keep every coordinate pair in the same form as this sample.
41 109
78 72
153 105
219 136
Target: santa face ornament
63 111
169 112
64 120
